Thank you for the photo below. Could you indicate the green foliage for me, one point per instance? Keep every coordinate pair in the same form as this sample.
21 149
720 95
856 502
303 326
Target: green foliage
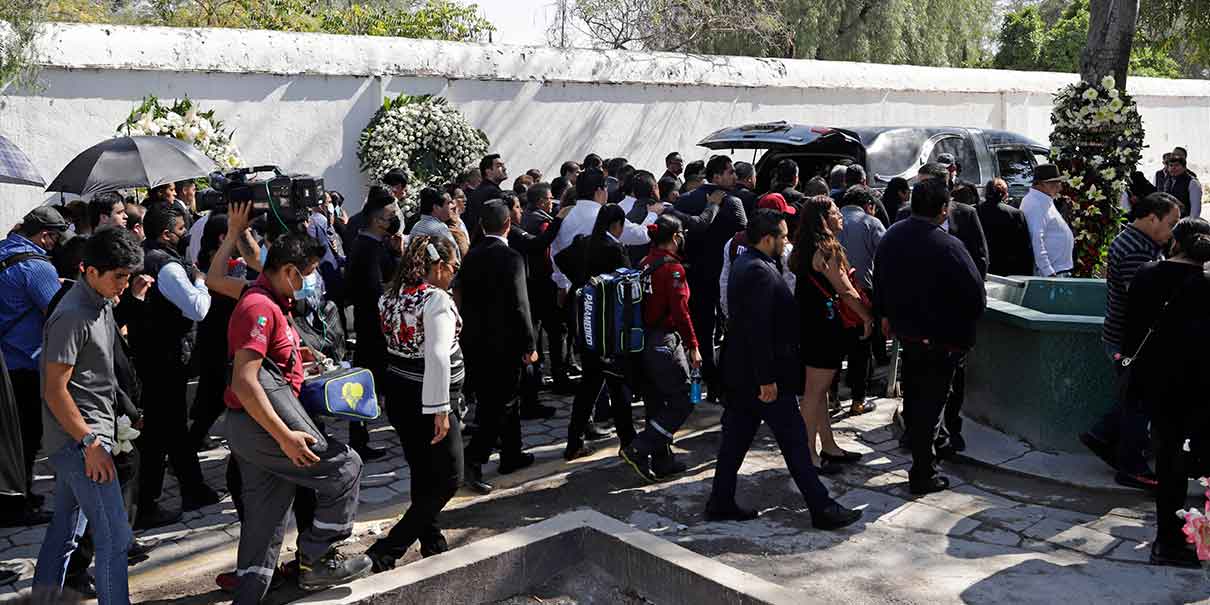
431 19
19 24
1021 39
1028 43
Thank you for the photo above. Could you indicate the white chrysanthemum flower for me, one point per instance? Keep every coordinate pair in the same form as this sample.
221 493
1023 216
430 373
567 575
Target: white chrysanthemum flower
1090 94
1108 82
1109 174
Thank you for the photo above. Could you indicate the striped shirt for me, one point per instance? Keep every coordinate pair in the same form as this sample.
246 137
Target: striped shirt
1130 250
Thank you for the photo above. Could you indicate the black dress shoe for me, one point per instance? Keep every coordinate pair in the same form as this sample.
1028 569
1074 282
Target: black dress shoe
933 484
639 462
435 546
515 463
1101 449
1144 481
473 480
537 411
200 499
843 457
957 442
369 453
140 550
151 517
1177 555
596 433
834 516
82 584
730 513
575 451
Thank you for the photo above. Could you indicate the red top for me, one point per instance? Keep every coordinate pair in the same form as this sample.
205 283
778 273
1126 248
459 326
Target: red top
260 324
668 307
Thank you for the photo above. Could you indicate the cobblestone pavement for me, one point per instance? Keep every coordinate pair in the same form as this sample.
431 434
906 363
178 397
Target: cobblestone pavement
995 536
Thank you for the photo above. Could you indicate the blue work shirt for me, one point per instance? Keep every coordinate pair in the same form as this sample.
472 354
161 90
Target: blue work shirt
25 291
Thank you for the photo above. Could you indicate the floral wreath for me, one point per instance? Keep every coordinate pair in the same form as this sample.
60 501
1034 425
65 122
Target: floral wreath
423 135
183 121
1097 142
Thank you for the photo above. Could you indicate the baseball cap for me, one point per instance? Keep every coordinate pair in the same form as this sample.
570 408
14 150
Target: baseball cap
775 201
45 217
946 159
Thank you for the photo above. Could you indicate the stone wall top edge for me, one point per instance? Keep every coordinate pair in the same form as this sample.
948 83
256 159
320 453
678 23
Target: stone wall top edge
144 48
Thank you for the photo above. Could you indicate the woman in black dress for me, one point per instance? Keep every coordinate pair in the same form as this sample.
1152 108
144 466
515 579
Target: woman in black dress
823 285
1169 375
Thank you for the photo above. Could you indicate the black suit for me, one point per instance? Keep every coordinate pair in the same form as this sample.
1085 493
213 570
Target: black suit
704 254
761 349
530 246
963 224
484 193
497 331
1007 239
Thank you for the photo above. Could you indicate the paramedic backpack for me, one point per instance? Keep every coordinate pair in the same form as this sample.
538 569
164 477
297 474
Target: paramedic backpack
609 311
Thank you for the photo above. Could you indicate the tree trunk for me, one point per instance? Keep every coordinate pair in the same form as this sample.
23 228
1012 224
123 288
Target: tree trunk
1111 28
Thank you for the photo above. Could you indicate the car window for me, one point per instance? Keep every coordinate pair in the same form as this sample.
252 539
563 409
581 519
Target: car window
963 152
893 153
1017 169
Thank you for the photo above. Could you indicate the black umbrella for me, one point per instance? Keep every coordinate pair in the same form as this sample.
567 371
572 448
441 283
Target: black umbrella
125 162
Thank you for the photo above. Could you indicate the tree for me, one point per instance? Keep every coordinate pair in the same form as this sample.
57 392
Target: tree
1021 39
1111 28
674 25
19 26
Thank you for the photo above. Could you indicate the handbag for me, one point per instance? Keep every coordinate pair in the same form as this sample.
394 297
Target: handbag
343 393
1126 384
848 317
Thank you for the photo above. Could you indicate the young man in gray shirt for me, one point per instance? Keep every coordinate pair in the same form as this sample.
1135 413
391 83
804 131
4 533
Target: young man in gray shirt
80 389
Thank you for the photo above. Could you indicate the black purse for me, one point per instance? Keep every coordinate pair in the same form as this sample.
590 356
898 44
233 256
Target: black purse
1127 386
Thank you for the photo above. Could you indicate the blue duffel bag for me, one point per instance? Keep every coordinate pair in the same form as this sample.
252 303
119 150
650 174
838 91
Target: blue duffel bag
343 393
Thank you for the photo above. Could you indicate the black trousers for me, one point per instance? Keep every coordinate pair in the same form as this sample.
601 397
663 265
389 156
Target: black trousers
208 401
1168 434
857 377
436 469
495 382
928 374
127 466
702 313
165 432
953 403
596 375
28 392
665 391
741 419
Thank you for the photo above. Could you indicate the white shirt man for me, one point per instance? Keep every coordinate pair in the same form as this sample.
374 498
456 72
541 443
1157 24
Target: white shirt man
1053 241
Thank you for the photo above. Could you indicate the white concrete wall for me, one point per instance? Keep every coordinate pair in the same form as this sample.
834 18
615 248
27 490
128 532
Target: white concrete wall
300 100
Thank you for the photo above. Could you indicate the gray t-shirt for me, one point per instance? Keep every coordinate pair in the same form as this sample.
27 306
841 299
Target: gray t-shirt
81 333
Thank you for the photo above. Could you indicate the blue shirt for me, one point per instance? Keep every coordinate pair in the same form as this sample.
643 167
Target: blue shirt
25 291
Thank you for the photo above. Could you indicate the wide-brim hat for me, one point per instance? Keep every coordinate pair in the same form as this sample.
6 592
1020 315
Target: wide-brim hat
1047 173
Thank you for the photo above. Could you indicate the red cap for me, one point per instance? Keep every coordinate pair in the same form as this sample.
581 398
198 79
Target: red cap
775 201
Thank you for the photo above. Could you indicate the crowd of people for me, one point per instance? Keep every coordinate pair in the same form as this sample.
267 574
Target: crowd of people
466 309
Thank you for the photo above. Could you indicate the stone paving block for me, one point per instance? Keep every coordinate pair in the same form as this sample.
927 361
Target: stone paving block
1073 469
994 535
930 518
880 439
1129 550
535 440
1077 537
873 504
1134 530
990 446
167 533
25 551
528 429
377 495
966 500
886 479
1017 518
32 535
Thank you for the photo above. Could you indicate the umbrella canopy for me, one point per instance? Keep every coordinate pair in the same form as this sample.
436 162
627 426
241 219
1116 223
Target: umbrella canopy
125 162
15 167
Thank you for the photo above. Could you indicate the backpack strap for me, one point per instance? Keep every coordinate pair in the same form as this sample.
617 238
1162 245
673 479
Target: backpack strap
20 257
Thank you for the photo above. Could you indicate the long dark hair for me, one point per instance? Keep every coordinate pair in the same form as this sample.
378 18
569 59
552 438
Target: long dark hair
609 215
1192 235
890 196
416 260
813 235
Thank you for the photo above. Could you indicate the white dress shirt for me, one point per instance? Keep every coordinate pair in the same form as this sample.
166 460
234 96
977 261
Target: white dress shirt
580 221
1052 239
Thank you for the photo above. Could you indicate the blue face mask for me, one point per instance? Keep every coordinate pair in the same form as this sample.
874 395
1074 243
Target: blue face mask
310 287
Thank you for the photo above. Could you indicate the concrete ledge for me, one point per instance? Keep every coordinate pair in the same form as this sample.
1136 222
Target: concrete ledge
507 564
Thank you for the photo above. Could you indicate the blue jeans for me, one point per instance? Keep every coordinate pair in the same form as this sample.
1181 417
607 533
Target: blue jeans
80 501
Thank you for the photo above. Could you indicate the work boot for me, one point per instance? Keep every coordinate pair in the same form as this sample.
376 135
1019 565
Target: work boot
332 569
641 463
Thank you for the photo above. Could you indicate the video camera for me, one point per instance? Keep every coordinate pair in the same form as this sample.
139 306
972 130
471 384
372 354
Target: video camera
298 191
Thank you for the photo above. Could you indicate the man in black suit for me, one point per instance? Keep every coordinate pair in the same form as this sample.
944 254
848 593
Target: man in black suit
493 171
497 341
745 185
762 374
704 254
1007 233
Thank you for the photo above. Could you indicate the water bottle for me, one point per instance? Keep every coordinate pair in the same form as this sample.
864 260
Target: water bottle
695 386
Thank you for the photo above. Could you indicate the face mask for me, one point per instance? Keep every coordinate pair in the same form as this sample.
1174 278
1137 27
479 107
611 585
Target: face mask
310 286
395 225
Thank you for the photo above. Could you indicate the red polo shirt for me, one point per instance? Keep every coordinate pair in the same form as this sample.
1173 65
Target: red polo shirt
260 323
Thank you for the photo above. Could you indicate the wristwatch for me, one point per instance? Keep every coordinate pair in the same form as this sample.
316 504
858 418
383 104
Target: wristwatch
89 439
